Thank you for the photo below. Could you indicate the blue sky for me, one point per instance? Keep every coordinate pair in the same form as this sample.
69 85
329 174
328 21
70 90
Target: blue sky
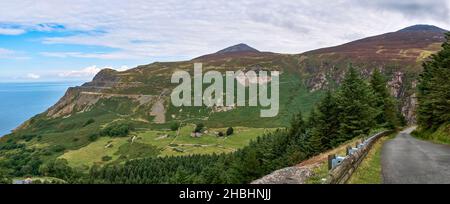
59 40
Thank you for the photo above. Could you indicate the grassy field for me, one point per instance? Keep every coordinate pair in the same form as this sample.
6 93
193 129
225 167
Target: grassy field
369 171
148 143
94 152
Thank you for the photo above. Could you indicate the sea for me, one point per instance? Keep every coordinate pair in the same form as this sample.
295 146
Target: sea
21 101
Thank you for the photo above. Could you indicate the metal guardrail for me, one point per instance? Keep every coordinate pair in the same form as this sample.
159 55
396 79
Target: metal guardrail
342 167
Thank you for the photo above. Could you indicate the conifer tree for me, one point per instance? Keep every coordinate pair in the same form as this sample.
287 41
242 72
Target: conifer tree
385 104
355 104
327 122
434 89
316 139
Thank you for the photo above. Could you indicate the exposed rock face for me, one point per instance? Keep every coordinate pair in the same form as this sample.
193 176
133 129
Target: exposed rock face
396 83
106 78
290 175
319 82
65 105
159 112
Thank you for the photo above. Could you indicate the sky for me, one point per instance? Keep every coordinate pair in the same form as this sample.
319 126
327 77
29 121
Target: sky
65 40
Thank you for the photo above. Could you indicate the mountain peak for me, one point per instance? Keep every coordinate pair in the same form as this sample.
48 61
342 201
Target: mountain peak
422 28
237 48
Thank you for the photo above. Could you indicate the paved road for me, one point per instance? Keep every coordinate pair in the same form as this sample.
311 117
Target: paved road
407 160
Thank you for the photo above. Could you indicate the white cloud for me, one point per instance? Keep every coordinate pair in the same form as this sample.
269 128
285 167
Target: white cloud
110 56
11 31
83 73
88 72
33 76
122 68
11 54
5 52
151 28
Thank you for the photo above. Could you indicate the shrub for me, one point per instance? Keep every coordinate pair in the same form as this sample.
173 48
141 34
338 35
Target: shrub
117 130
230 131
58 148
27 138
199 127
220 134
106 158
88 122
174 126
93 137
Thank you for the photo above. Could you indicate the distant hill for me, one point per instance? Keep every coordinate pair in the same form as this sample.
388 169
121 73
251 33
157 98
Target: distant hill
407 46
235 51
238 48
423 28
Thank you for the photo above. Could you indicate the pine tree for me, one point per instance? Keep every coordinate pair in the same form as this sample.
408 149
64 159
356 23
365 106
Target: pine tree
315 141
327 122
385 104
297 125
356 112
434 89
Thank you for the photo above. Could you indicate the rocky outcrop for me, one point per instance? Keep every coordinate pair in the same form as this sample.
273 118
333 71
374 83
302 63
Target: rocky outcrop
290 175
106 78
65 105
159 111
396 84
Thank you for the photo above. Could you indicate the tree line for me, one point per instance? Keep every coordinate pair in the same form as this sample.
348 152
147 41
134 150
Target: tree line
434 90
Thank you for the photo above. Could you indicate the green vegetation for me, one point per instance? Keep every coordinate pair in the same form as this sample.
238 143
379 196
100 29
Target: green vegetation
117 130
118 148
88 122
230 131
199 127
106 158
433 112
93 153
278 149
353 110
174 126
355 104
137 150
386 105
441 135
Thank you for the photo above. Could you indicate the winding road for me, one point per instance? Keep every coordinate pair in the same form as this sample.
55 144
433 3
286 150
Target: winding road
407 160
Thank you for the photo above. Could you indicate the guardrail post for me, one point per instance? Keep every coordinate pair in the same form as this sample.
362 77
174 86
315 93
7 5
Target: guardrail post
330 161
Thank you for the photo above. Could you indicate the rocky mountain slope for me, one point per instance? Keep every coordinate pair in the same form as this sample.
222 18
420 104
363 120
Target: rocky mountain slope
397 54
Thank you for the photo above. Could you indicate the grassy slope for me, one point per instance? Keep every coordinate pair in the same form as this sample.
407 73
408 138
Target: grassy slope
165 142
440 136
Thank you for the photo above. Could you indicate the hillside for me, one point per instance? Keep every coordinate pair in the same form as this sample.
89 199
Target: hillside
140 97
